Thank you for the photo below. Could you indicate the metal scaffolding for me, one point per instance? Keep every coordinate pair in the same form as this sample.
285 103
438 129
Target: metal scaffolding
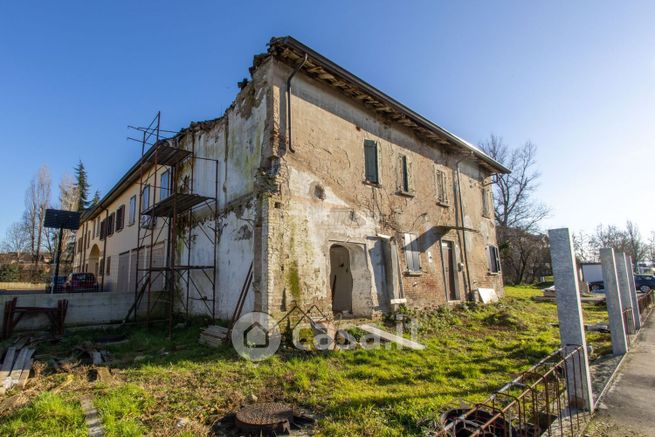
169 215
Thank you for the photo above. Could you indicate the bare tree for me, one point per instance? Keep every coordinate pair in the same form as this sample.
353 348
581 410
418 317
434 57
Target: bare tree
626 240
514 204
634 245
522 247
651 247
16 240
584 250
608 236
37 200
525 255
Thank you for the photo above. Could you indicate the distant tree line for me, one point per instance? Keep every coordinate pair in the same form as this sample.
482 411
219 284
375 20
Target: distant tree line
627 240
523 246
27 240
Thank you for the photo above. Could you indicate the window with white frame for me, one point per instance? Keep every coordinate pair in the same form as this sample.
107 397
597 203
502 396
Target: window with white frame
441 187
412 252
132 211
164 185
145 197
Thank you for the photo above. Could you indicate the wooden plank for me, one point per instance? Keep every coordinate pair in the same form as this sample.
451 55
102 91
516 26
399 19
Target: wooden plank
7 365
216 328
22 381
25 367
18 365
104 375
391 337
91 417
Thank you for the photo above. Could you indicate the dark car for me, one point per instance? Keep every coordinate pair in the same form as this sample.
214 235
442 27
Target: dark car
597 287
645 283
81 282
58 283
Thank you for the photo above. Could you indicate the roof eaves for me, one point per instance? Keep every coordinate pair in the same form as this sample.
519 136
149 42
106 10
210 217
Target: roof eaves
295 45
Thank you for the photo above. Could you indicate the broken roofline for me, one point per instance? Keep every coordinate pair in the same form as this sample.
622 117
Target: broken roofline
277 46
299 49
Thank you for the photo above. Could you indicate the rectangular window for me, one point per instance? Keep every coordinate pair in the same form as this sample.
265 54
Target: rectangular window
108 264
103 229
120 218
94 228
97 228
132 211
164 185
145 198
412 253
371 161
493 259
101 267
405 175
110 224
486 209
441 187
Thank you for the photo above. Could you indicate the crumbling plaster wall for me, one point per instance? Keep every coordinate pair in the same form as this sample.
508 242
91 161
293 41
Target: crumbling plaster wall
323 199
238 141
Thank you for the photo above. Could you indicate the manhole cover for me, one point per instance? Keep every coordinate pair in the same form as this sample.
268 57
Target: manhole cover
269 417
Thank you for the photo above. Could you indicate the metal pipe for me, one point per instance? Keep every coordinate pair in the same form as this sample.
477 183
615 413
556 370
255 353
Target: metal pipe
289 101
461 216
104 252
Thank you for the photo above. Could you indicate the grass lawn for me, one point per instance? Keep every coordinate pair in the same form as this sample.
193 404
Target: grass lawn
470 352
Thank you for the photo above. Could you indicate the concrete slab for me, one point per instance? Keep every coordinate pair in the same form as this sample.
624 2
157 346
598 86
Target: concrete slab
391 337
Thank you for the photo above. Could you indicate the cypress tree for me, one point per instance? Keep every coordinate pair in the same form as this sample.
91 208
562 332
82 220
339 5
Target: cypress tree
82 184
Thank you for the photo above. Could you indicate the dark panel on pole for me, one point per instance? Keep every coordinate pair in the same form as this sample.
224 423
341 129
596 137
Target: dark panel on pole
60 219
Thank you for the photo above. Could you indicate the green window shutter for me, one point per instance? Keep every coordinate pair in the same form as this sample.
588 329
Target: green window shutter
371 161
404 166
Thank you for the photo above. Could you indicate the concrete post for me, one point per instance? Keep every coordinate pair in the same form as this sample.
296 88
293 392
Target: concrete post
633 292
613 298
569 312
625 291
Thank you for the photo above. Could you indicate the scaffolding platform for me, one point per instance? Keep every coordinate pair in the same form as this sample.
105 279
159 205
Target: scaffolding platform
176 203
163 154
177 212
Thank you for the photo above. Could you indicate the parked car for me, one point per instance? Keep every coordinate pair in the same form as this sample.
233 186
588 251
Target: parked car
81 282
597 287
58 283
645 283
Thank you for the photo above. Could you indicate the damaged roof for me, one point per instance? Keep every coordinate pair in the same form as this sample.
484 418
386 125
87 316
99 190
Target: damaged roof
292 51
319 67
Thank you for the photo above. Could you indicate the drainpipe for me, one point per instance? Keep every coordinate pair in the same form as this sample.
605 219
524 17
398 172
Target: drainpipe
461 216
104 254
289 101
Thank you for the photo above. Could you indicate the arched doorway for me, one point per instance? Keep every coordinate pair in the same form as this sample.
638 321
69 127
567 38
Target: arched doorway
341 280
94 258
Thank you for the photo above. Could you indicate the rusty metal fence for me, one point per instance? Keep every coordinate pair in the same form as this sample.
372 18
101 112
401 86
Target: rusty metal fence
645 302
548 399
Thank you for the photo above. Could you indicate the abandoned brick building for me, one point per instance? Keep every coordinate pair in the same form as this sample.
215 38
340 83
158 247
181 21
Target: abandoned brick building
329 191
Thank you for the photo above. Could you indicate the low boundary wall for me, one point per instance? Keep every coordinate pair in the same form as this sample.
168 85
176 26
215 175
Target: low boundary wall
83 308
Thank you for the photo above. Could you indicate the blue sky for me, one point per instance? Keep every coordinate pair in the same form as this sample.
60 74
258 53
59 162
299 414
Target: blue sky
575 78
